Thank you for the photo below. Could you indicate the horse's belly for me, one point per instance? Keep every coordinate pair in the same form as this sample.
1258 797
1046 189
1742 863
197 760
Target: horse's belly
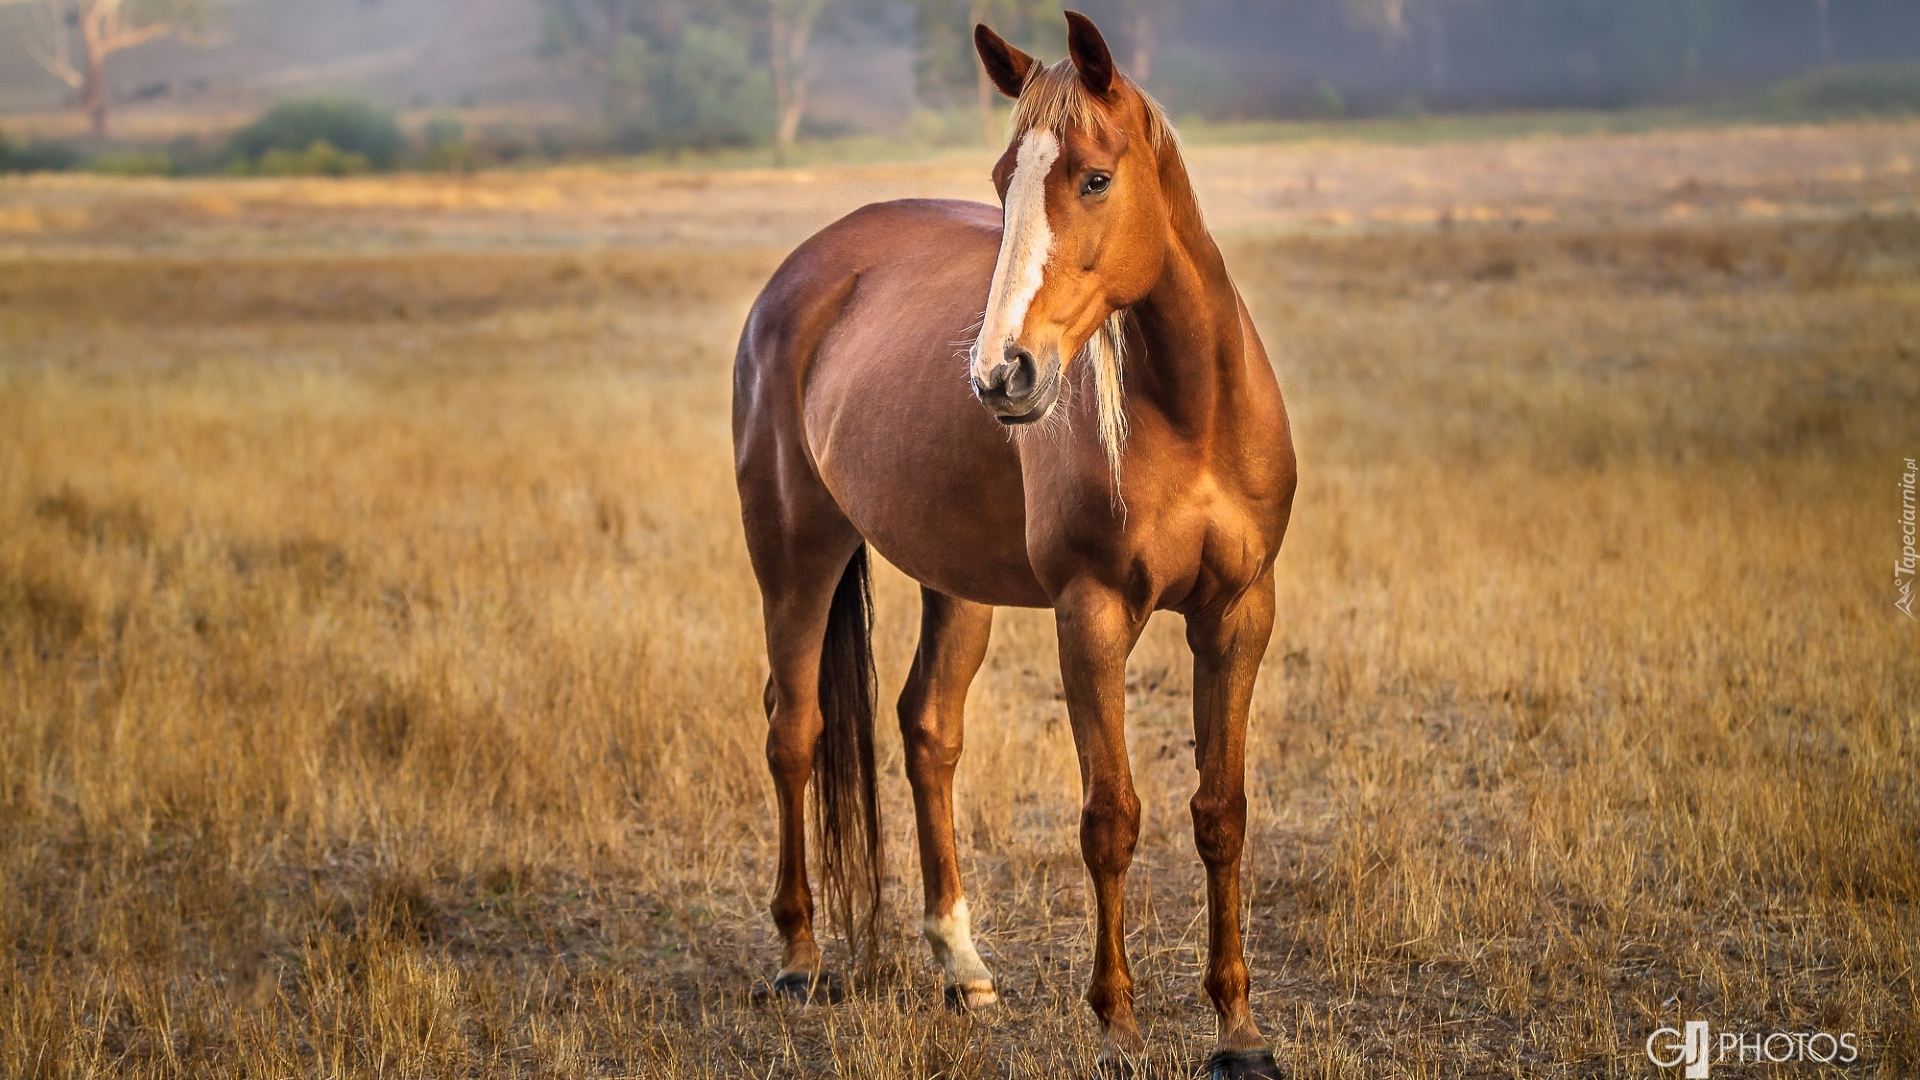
932 483
985 570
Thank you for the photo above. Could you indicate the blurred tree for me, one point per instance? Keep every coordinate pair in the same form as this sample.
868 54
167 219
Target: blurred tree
789 31
1653 44
677 73
946 71
1420 23
104 27
1140 23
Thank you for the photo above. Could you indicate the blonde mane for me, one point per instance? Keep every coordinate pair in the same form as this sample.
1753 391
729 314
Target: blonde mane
1054 99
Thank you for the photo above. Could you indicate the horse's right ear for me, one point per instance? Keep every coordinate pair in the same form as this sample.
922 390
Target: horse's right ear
1007 66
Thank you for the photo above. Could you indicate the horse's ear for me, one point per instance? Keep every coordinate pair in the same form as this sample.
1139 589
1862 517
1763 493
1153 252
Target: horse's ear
1090 56
1007 66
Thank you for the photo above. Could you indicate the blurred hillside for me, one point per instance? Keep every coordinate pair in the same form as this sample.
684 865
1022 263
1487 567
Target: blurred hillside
632 74
480 56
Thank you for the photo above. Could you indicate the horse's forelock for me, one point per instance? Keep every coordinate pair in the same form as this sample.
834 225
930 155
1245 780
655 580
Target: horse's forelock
1056 100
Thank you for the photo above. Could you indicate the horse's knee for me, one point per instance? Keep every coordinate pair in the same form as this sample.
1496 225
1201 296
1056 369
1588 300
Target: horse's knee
932 751
1219 825
932 744
1109 828
791 740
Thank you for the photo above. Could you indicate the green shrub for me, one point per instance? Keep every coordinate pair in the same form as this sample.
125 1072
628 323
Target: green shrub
43 155
6 153
192 155
705 91
131 162
1877 89
1328 101
320 158
1191 83
447 147
349 128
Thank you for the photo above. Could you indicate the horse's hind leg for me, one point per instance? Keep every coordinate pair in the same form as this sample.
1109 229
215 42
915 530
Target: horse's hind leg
799 566
953 642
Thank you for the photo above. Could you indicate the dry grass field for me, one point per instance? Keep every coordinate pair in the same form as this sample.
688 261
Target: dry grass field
380 665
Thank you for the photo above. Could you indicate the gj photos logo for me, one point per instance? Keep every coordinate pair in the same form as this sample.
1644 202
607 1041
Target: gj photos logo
1699 1050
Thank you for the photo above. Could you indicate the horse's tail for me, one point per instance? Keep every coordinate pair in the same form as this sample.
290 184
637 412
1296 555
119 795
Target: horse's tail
847 808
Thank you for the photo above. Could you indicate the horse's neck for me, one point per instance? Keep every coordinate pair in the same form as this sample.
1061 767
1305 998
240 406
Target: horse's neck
1192 366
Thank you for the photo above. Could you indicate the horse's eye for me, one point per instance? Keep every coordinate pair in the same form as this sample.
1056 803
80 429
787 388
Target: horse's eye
1096 184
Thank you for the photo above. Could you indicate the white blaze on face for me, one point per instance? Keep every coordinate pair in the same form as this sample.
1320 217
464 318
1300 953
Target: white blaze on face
1025 240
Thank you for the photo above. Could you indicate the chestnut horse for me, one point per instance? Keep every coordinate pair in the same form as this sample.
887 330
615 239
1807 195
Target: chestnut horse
1114 443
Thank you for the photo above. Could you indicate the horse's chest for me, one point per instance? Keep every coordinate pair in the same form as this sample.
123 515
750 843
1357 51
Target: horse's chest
1176 545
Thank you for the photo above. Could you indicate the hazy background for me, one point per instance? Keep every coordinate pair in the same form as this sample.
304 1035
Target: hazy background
558 78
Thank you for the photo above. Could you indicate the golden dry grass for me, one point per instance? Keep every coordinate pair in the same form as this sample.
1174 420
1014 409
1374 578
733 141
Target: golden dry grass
379 672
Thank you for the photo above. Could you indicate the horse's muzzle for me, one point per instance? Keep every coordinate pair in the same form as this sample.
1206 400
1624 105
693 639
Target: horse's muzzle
1017 391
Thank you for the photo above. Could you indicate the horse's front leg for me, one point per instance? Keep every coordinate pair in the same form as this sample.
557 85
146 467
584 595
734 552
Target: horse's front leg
1096 633
1227 647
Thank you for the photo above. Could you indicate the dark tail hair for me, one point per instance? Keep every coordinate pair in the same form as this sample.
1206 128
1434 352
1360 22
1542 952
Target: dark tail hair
847 809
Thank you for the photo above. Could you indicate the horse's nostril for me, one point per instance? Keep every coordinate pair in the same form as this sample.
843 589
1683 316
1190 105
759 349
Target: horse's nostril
1021 373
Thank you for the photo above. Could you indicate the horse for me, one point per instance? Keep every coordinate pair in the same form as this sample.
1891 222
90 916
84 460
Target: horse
1060 402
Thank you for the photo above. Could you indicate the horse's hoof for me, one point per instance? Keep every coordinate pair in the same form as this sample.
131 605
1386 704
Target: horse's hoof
1243 1065
808 988
971 997
1114 1063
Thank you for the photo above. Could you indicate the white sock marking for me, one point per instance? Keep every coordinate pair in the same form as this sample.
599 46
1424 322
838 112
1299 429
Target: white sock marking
951 936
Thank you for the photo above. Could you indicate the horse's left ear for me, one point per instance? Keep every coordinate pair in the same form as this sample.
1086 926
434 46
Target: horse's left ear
1090 56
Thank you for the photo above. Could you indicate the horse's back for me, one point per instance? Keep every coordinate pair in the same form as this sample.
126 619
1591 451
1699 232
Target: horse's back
852 375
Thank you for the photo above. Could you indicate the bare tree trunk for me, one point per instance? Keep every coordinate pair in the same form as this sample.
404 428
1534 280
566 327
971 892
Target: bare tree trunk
789 27
1436 35
93 89
104 30
790 116
49 47
983 90
783 89
1141 30
1826 33
983 98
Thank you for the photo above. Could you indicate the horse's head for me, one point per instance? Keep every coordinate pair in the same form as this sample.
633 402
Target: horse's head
1085 225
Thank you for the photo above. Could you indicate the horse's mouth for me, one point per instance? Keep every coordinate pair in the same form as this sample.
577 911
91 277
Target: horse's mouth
1040 403
1033 417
